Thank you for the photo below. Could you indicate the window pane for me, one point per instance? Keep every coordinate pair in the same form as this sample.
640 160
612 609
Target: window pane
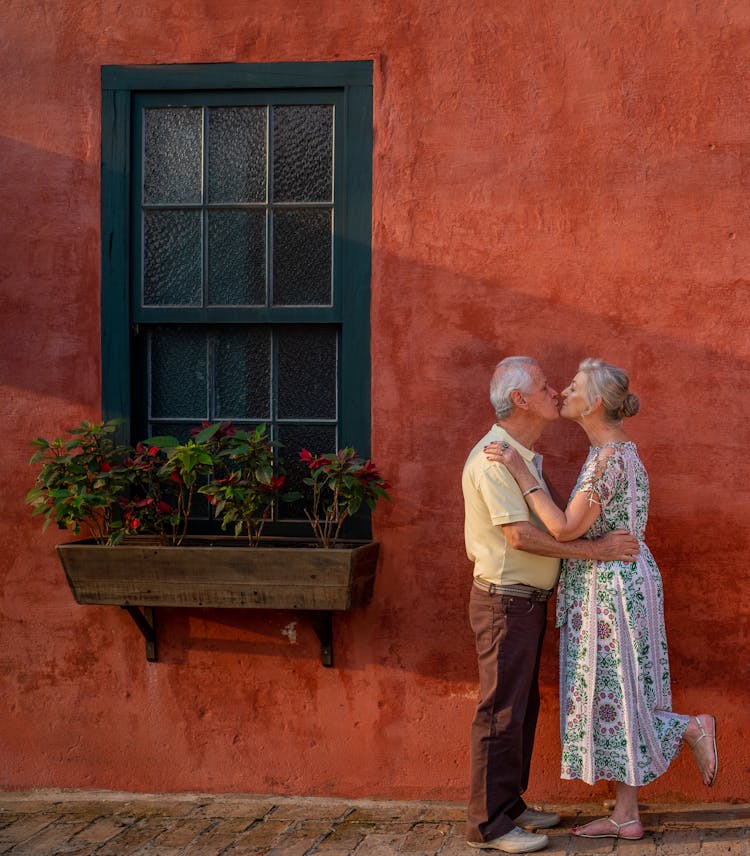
303 153
172 141
302 257
307 372
318 439
237 154
242 374
236 258
178 370
172 258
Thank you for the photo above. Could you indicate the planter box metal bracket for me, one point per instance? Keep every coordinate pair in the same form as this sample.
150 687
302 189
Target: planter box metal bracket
322 623
146 623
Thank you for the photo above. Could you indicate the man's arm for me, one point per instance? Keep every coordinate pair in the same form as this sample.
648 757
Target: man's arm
618 546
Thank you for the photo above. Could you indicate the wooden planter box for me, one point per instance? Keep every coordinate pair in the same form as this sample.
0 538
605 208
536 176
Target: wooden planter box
220 572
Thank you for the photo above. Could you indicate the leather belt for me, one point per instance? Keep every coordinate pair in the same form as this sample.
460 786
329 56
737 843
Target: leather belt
527 592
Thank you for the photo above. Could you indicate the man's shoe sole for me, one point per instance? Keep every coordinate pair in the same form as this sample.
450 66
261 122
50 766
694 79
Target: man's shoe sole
510 847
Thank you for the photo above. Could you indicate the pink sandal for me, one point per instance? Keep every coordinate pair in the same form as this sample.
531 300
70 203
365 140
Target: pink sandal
615 834
712 736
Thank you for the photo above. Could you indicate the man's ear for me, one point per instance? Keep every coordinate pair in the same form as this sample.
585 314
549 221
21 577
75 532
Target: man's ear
518 398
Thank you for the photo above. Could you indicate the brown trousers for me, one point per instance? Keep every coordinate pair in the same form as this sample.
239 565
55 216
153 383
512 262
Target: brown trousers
509 633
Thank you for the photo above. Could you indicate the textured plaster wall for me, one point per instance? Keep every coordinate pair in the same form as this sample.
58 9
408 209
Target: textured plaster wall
562 178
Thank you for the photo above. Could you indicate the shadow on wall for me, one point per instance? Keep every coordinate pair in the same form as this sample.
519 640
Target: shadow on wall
49 280
417 621
437 334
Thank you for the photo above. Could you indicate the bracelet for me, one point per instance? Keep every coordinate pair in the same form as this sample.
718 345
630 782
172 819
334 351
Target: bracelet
531 490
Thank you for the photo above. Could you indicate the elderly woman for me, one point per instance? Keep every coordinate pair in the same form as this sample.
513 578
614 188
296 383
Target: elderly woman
616 713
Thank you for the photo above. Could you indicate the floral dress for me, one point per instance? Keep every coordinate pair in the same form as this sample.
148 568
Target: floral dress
616 717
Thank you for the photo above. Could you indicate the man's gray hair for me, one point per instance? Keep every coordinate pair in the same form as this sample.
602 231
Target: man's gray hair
511 373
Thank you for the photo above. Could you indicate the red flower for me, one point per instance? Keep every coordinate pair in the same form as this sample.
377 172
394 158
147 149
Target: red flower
369 472
311 461
276 483
152 451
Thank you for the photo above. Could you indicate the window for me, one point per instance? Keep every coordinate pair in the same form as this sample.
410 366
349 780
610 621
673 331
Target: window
236 250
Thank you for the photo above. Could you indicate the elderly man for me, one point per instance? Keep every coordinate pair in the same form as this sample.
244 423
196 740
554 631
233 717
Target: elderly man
516 565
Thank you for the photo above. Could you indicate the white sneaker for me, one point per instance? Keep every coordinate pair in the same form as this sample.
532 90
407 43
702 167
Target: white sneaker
515 841
530 818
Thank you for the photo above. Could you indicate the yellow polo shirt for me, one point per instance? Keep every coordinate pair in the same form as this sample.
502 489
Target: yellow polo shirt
492 498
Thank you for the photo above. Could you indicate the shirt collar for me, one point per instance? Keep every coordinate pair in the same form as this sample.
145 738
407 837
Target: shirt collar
501 434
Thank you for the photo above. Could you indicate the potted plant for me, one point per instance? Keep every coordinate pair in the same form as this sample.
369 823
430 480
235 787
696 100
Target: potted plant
136 501
247 489
81 480
340 484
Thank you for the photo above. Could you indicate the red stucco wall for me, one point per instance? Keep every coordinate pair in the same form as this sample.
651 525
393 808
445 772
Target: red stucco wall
564 178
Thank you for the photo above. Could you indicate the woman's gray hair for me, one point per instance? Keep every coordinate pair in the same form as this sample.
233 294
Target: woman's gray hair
611 385
511 373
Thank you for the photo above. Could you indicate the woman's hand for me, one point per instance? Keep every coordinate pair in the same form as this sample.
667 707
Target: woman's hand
505 454
562 525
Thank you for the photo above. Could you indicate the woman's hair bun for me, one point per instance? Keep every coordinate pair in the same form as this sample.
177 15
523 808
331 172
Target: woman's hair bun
630 405
611 385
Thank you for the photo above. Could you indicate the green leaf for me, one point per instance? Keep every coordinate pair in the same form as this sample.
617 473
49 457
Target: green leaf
207 433
162 442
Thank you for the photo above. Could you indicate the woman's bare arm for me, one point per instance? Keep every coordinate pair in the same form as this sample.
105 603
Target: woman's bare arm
565 525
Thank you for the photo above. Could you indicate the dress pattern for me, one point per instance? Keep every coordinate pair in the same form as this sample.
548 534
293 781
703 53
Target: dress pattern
616 718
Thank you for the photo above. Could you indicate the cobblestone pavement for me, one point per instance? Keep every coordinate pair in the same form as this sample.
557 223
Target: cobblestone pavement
77 823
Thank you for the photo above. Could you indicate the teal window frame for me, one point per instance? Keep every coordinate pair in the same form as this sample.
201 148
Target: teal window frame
350 83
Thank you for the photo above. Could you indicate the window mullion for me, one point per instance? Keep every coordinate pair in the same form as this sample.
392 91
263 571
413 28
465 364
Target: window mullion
269 208
204 204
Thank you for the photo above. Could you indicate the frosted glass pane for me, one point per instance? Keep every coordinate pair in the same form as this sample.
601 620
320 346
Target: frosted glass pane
303 153
172 258
318 439
172 144
242 374
236 258
178 367
307 367
237 154
302 257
